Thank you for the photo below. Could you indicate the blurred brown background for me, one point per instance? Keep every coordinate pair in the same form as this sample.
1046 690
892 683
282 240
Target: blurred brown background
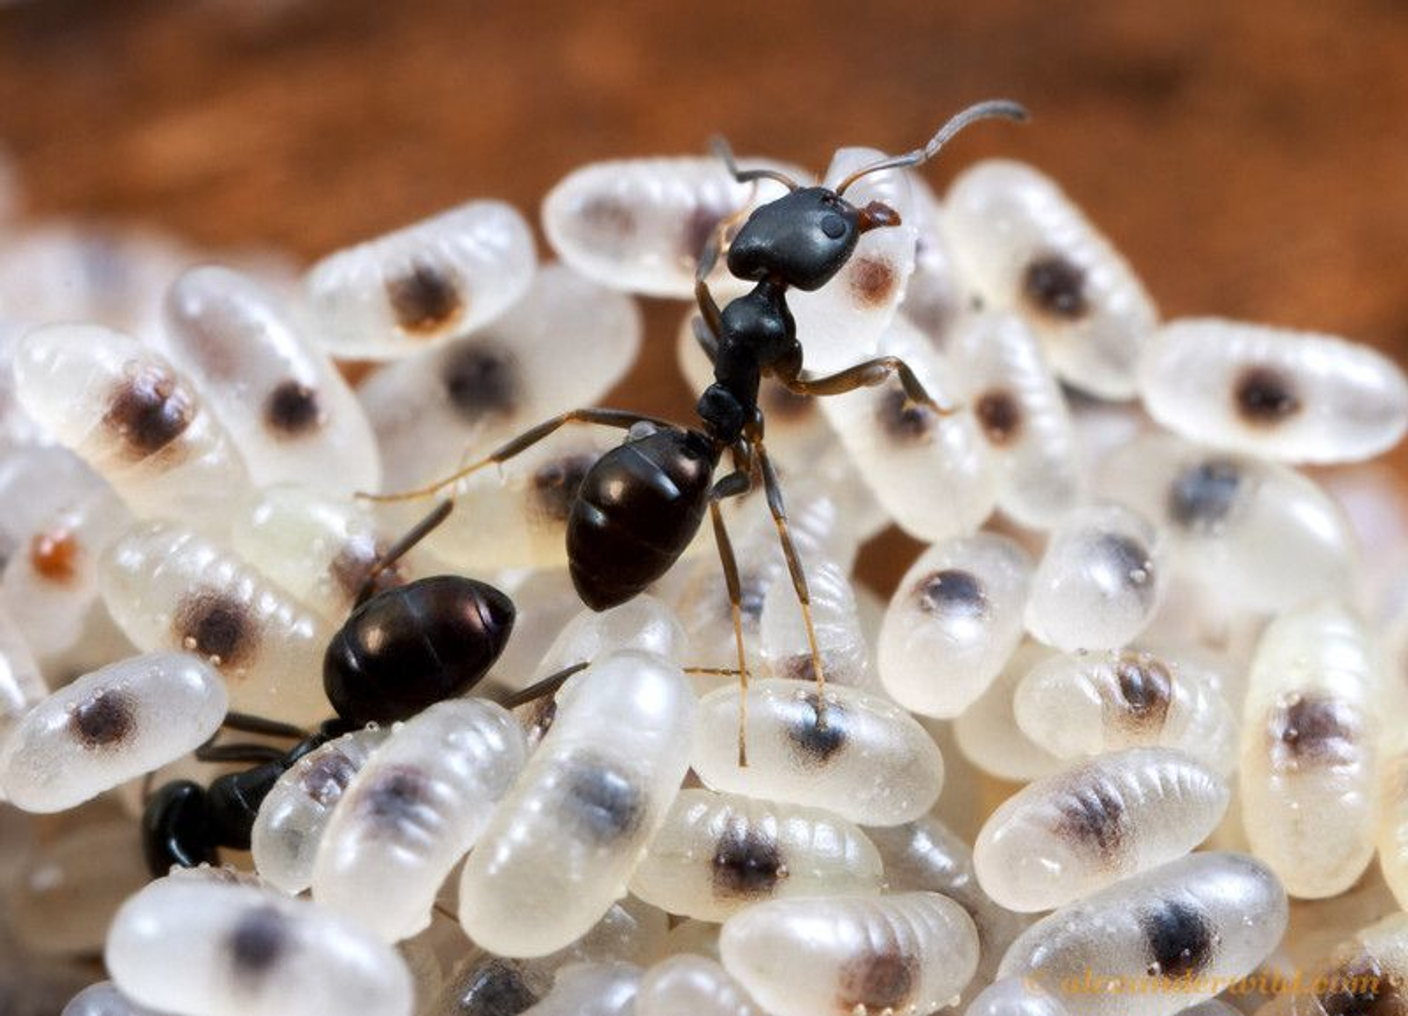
1249 158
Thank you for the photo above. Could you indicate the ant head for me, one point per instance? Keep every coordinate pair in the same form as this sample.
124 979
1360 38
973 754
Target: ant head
804 237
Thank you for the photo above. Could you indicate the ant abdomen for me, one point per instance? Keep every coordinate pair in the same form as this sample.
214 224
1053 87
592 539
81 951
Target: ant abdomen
636 511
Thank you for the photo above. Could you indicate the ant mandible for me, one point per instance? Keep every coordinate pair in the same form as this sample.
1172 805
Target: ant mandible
641 504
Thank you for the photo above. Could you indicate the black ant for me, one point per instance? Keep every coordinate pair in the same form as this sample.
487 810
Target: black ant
642 502
401 650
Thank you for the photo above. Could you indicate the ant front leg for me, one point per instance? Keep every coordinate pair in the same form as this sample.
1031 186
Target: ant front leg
867 375
735 484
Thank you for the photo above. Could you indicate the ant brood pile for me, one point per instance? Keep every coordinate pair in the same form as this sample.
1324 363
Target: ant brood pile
322 752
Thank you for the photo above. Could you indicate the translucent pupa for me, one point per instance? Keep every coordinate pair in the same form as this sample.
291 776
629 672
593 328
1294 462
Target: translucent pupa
954 620
641 224
1272 392
104 999
1025 247
318 547
782 632
926 856
430 281
219 948
413 810
1256 533
933 474
717 853
1309 751
168 587
563 843
296 812
1082 704
987 732
692 984
591 989
1022 415
1157 942
1099 581
1066 836
110 726
131 416
1016 996
21 684
911 952
857 755
564 345
285 405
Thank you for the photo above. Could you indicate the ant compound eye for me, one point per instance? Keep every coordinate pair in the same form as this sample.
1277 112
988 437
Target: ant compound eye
833 226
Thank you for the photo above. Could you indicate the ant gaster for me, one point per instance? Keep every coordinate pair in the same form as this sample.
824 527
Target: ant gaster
643 501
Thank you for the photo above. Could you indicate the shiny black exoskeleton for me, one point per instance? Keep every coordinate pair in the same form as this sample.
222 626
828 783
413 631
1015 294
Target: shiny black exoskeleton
184 823
400 651
415 645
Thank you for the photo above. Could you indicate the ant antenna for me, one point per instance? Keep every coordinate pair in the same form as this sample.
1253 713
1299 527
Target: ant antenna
722 149
994 108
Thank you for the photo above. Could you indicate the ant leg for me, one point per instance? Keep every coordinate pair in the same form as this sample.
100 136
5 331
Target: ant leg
773 490
620 418
734 484
251 753
248 723
402 547
708 340
539 689
865 375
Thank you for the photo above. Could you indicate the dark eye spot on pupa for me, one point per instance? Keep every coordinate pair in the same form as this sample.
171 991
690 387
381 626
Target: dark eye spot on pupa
877 982
481 381
495 987
257 943
214 626
424 299
952 591
105 719
999 415
604 803
816 734
396 798
327 777
1315 730
292 410
609 218
902 420
1361 987
872 281
698 229
1265 396
53 553
1093 814
149 410
746 863
1128 559
555 485
1146 689
1203 495
1056 287
1181 941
